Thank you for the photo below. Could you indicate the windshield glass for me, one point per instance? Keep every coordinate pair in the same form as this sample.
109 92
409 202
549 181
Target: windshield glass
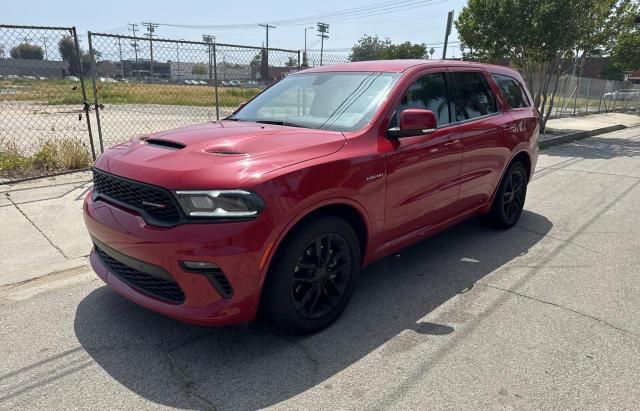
339 101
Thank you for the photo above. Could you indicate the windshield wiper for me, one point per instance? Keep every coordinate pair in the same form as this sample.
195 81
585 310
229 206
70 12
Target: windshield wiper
279 123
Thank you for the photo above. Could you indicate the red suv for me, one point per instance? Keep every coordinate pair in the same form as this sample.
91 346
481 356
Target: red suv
276 209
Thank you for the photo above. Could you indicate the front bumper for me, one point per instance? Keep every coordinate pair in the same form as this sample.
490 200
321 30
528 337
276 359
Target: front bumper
237 248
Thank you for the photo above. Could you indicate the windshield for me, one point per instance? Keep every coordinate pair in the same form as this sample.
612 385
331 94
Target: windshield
339 101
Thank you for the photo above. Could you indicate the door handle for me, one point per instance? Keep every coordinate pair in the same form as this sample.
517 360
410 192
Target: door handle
453 143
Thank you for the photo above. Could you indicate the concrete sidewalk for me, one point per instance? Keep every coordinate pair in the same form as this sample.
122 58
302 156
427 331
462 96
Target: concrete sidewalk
592 122
43 230
42 227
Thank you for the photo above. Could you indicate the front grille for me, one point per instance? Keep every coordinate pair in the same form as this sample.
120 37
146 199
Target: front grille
156 204
166 290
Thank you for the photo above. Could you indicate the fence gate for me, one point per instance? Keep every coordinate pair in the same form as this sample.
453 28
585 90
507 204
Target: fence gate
44 122
141 85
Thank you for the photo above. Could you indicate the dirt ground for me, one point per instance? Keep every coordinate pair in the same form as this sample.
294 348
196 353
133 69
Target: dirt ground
28 125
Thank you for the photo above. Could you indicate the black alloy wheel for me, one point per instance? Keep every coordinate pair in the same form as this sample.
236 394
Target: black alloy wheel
321 275
312 277
508 203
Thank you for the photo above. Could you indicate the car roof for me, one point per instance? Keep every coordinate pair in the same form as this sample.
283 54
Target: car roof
399 66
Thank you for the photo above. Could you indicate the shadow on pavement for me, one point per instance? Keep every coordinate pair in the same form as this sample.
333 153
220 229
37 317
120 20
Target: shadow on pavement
597 148
251 367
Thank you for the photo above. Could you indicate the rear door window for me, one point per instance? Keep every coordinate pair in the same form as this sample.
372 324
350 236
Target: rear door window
429 92
473 96
513 92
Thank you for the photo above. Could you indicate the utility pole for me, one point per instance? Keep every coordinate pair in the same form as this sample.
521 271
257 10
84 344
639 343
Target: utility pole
265 56
121 62
323 32
44 40
151 28
267 27
133 28
447 33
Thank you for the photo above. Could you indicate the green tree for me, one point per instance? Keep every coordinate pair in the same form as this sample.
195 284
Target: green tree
626 51
373 48
407 50
67 49
369 48
199 69
257 60
625 47
291 62
27 51
538 37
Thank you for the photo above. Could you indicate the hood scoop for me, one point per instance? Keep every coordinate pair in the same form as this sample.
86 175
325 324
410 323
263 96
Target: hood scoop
170 145
225 152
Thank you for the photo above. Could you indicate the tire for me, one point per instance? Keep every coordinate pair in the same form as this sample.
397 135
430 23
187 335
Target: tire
303 293
509 200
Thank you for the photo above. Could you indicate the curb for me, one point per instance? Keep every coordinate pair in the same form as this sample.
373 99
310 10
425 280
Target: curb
567 138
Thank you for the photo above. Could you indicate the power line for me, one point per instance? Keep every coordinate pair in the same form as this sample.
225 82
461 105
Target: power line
343 15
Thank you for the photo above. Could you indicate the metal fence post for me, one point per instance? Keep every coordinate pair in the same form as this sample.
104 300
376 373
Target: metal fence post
604 84
588 95
95 90
84 91
299 61
215 82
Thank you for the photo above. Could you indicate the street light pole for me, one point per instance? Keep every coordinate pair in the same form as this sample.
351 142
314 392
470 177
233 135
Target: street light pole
305 37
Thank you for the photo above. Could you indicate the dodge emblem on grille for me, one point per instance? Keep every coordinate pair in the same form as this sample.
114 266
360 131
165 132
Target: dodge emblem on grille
156 205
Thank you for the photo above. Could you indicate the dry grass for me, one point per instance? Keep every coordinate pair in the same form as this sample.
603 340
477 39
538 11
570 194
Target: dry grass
68 92
54 155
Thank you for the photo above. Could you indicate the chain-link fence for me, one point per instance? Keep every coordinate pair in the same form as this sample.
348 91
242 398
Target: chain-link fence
143 85
581 95
44 127
314 58
137 85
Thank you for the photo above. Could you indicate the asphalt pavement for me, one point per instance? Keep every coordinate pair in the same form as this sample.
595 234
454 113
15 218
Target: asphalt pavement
544 315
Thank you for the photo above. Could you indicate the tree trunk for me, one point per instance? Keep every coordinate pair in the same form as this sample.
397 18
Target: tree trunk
558 70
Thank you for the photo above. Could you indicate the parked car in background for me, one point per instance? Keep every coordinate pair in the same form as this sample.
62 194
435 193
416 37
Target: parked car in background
72 78
278 207
623 95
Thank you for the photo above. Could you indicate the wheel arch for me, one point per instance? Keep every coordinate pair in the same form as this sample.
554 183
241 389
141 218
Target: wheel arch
351 211
522 156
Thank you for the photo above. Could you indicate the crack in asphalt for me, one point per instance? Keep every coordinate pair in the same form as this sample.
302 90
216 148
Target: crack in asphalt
558 239
562 307
188 384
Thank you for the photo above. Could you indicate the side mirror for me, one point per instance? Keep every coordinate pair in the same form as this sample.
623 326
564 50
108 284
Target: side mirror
414 122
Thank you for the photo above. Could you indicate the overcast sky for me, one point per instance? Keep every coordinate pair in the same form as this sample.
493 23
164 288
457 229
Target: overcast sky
419 21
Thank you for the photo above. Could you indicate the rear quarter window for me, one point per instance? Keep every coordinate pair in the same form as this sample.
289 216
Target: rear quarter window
512 91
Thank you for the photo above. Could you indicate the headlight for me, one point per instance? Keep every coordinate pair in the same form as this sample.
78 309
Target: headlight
220 203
